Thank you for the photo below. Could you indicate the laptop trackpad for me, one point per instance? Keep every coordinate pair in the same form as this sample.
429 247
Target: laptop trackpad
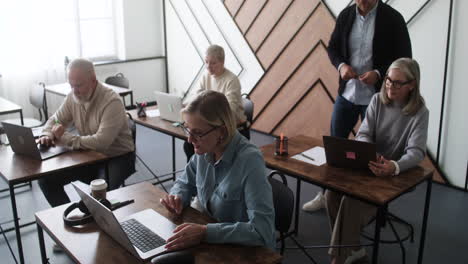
47 152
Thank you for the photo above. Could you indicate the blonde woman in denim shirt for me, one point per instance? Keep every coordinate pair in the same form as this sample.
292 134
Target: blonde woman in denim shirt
227 175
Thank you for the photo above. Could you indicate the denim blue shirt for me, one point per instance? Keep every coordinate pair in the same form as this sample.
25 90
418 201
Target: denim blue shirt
234 191
360 50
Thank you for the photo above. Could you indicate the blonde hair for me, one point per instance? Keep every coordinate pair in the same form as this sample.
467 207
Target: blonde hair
215 51
213 107
410 68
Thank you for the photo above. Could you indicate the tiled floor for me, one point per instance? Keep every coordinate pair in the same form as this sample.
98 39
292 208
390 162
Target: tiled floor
447 233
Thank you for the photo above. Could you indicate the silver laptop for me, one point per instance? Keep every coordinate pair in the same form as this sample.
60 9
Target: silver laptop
22 142
169 106
143 234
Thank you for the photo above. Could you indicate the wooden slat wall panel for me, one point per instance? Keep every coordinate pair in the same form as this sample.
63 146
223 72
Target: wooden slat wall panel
233 6
313 114
260 28
309 72
248 12
316 29
285 30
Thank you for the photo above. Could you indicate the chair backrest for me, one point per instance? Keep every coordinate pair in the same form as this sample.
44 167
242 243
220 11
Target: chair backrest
248 109
37 99
283 200
36 95
118 80
132 126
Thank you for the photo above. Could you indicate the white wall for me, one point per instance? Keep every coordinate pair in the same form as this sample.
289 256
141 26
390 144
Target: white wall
455 142
143 28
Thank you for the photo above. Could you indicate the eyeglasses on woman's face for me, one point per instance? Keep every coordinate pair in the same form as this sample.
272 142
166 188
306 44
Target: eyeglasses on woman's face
397 84
197 135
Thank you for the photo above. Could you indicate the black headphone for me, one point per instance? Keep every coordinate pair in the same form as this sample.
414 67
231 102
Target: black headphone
87 218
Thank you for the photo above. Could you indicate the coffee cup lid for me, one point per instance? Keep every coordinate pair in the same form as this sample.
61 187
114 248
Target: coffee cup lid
98 184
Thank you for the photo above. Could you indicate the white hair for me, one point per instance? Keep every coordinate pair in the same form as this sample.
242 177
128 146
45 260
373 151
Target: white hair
83 64
215 51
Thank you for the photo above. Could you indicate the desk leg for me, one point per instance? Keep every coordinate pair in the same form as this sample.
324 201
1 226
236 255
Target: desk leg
16 220
173 159
21 116
298 200
131 99
378 224
424 225
40 235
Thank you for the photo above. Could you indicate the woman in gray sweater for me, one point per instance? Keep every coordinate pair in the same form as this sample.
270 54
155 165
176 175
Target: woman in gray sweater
396 120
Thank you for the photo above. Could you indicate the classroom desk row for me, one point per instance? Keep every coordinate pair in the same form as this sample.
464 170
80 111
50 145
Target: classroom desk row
361 186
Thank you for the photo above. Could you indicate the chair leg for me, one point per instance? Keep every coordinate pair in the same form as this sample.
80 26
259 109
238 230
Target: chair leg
282 238
403 250
303 250
401 221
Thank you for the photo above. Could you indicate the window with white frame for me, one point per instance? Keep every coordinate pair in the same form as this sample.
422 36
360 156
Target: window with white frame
96 29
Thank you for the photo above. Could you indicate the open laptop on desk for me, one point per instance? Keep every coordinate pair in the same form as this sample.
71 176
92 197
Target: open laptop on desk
22 142
143 234
346 153
169 106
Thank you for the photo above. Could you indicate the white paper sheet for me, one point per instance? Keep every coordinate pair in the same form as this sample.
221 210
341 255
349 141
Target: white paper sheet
314 156
152 113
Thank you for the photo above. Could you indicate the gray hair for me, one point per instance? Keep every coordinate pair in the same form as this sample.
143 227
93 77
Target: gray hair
82 64
410 68
215 51
213 107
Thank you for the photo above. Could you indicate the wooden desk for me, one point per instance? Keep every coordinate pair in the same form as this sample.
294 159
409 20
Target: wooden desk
163 126
16 169
361 185
159 124
8 107
88 244
63 89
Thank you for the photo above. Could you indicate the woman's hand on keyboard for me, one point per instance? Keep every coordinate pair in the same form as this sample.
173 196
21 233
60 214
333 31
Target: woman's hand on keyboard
173 203
186 235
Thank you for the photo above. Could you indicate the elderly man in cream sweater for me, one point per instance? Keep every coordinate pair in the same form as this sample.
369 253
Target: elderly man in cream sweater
98 115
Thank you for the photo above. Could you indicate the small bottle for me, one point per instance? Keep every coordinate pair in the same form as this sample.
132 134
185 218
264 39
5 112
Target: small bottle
281 146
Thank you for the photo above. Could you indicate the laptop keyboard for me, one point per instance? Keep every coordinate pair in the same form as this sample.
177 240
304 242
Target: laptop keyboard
141 237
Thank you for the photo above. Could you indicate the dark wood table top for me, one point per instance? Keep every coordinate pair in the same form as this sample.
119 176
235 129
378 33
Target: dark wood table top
359 184
7 106
15 168
88 244
158 123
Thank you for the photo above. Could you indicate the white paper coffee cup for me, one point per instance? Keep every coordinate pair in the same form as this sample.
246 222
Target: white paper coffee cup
99 189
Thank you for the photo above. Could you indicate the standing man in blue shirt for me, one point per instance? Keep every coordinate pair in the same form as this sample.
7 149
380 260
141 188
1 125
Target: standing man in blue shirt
367 38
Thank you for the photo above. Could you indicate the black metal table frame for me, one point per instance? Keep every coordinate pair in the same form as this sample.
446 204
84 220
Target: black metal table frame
173 137
379 217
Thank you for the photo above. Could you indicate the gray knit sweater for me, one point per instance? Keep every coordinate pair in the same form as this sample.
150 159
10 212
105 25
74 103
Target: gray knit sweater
399 137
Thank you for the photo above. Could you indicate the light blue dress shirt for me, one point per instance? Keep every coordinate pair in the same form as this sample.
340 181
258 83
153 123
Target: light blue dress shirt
234 191
360 50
